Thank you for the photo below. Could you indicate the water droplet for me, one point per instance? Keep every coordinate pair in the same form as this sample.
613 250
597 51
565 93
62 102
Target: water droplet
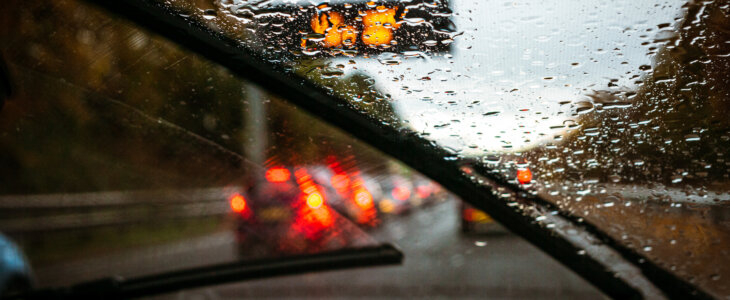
332 73
389 58
430 43
692 138
210 14
583 107
480 243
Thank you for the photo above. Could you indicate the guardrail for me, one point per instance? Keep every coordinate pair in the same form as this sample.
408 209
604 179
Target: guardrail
51 212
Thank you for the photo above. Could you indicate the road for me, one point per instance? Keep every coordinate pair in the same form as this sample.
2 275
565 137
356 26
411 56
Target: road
439 263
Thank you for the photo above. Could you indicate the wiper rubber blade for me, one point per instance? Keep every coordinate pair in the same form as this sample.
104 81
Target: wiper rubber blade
121 288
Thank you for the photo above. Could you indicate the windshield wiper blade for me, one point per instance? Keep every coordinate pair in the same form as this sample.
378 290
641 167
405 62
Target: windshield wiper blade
121 288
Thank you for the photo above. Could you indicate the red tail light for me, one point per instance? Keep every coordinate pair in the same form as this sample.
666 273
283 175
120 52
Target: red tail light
340 181
475 215
314 200
363 199
401 193
423 191
277 175
238 203
524 176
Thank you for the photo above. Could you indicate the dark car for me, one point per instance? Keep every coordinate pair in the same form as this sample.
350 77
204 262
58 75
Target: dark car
284 211
427 191
350 194
474 220
398 195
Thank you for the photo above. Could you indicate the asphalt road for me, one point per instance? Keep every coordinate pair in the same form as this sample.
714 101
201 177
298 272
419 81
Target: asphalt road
439 263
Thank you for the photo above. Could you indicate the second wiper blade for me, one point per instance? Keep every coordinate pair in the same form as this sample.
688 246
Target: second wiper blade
120 288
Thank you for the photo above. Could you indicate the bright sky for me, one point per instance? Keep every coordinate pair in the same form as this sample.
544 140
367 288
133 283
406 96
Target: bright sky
519 60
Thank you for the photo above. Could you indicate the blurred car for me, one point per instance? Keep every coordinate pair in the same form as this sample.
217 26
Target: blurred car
350 194
284 211
426 191
397 195
473 220
476 221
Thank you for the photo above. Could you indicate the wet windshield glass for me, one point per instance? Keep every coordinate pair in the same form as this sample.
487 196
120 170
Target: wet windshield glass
125 155
122 154
614 112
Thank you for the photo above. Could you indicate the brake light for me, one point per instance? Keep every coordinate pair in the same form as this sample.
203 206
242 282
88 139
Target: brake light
238 203
340 181
423 191
378 26
524 176
363 199
314 200
401 193
475 215
387 206
277 175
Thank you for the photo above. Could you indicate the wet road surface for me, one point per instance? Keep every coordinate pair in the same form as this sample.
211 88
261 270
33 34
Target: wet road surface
439 263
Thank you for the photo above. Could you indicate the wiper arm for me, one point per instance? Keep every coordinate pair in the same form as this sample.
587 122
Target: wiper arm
121 288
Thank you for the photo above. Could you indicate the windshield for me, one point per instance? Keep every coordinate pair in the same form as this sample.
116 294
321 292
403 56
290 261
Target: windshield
135 160
614 114
140 158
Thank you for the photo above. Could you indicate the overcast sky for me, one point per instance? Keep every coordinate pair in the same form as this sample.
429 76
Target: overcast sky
521 58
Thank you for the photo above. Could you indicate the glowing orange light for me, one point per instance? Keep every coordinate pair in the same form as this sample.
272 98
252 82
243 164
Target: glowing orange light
380 16
475 215
376 35
349 35
387 206
302 176
363 199
333 37
401 193
332 25
312 221
378 25
309 188
340 181
277 175
524 176
327 20
322 216
314 200
238 203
